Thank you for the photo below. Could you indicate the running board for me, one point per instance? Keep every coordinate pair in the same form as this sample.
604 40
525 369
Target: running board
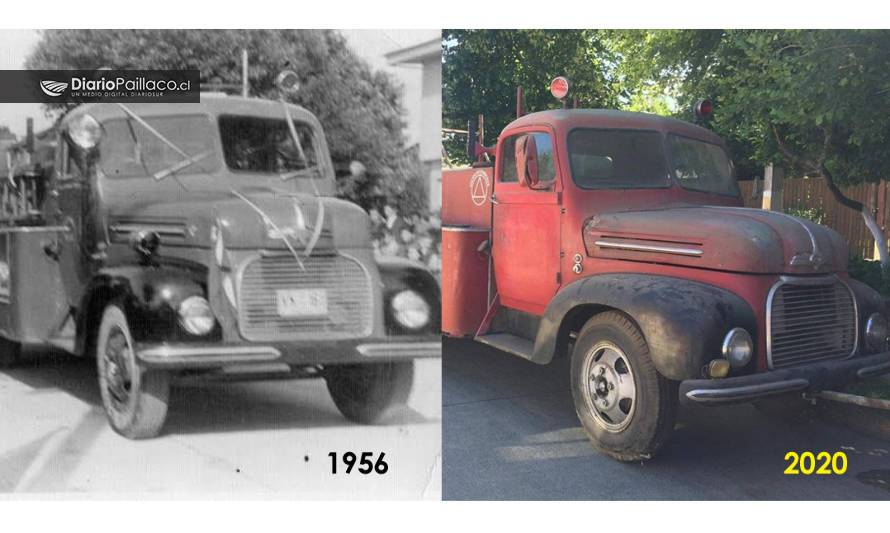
509 343
64 343
66 336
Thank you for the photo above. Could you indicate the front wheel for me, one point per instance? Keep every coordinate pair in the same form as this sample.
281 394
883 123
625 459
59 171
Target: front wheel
135 399
10 353
365 392
626 407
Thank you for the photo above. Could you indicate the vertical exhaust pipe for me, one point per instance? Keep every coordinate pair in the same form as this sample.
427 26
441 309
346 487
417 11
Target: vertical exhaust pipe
29 135
245 85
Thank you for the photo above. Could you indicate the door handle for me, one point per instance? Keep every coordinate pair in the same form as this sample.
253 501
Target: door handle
494 199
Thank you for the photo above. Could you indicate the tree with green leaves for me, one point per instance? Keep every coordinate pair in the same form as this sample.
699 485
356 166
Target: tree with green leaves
814 100
481 70
360 109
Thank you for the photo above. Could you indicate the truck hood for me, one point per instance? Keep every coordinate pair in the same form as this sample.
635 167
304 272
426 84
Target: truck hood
250 219
733 239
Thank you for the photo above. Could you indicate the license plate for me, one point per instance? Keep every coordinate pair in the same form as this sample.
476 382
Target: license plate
302 302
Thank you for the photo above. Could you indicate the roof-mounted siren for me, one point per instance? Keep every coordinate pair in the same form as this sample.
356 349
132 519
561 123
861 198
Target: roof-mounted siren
704 110
287 82
560 89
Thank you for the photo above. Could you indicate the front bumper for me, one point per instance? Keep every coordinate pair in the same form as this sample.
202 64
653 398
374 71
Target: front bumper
812 378
218 355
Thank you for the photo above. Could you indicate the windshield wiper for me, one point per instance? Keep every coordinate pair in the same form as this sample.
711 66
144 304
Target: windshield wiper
185 157
176 167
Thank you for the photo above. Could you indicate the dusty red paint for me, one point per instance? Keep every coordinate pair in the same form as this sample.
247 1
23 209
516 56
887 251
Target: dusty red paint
537 233
464 280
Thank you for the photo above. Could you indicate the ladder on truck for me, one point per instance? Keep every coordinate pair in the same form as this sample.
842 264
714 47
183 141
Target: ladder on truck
21 197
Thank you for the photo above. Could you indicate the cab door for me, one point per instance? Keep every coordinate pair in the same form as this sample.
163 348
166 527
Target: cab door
68 197
526 227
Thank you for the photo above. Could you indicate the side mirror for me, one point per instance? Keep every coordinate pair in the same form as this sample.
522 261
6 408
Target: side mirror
527 161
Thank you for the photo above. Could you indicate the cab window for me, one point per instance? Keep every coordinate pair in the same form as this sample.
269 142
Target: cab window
546 165
617 159
256 144
132 150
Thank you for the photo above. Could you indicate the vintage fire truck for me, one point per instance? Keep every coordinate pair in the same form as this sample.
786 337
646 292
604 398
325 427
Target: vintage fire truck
620 240
204 240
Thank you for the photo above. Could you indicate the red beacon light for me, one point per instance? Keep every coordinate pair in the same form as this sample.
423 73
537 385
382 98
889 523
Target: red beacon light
559 87
704 109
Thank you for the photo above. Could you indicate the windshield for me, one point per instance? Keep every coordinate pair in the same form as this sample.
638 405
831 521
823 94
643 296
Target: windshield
131 149
253 144
617 159
702 166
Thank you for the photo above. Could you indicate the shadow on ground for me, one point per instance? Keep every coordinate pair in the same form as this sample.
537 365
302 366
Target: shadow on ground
206 406
510 432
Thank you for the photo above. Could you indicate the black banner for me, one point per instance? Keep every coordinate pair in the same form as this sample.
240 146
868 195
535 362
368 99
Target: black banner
81 86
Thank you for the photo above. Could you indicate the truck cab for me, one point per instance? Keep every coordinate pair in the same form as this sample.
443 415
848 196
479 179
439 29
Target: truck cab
205 239
620 240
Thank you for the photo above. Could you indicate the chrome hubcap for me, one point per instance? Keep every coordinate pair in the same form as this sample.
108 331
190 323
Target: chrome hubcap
118 377
610 392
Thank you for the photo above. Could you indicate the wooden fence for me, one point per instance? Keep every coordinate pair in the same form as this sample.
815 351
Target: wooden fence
813 193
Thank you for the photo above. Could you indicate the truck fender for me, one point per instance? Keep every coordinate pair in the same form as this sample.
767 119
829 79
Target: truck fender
868 301
683 321
398 274
150 296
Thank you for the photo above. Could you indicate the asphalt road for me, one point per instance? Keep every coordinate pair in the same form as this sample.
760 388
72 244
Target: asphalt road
510 432
269 439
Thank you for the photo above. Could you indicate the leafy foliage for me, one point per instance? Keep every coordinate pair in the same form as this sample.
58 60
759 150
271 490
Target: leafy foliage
871 273
482 68
813 214
359 109
823 94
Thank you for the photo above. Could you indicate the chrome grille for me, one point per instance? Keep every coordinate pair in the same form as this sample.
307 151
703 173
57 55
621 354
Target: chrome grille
810 320
349 298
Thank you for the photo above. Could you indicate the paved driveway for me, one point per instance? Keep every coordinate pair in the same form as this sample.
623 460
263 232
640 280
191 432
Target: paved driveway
510 432
267 438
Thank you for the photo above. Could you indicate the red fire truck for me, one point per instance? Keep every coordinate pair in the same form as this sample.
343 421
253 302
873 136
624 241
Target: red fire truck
203 240
620 240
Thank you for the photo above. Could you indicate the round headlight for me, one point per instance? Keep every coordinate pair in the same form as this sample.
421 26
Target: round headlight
876 332
85 131
738 347
195 315
410 309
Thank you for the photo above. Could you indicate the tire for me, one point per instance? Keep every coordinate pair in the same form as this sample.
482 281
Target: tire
135 399
10 353
626 407
364 393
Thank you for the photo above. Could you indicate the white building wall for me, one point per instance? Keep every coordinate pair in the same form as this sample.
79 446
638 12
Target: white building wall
421 92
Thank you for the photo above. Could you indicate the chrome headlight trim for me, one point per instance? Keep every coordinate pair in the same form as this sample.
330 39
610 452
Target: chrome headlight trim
877 331
85 131
738 347
196 316
410 310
